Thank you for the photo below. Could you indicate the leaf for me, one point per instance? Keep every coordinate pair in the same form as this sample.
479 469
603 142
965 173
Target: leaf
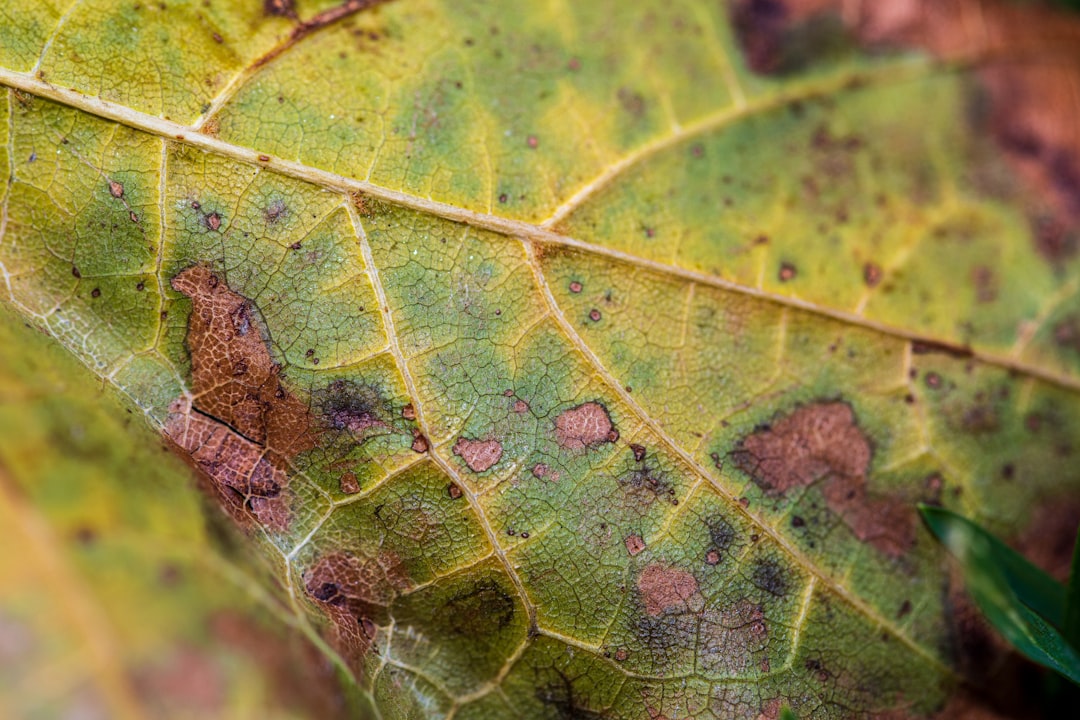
1029 584
567 359
1009 590
1071 624
114 600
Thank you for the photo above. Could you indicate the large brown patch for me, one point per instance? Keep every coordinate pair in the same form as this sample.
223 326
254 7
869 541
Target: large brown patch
666 589
584 426
821 445
240 426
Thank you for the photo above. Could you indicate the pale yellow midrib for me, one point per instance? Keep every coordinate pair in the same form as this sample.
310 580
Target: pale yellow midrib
505 226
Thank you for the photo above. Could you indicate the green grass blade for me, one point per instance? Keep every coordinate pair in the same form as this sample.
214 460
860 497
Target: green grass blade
1071 626
990 579
1032 586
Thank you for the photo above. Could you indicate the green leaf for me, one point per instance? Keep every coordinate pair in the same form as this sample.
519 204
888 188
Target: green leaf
1030 584
1071 624
543 359
787 714
998 580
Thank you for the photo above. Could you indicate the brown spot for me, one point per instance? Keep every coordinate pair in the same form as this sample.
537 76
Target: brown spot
95 293
634 544
872 274
408 412
666 589
419 443
479 455
575 287
712 557
264 158
621 654
453 491
594 315
520 406
639 452
234 380
541 471
932 380
586 425
241 426
116 189
244 480
787 272
821 445
213 221
275 211
349 484
355 594
280 8
532 141
75 272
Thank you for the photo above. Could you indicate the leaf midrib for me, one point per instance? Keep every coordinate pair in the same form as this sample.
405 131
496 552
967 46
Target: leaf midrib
540 233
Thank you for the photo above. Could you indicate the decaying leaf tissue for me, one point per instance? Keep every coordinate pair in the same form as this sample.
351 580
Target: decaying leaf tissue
478 360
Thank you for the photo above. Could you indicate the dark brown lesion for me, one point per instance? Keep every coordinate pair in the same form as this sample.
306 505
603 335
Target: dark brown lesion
355 595
240 426
821 445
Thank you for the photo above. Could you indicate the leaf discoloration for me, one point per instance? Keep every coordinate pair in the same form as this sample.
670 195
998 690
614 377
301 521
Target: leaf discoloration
821 445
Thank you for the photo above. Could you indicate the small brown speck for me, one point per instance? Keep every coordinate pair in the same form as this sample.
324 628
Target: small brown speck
575 287
95 293
140 286
213 221
872 274
639 452
349 484
264 158
621 655
453 491
217 38
594 315
933 380
419 443
787 272
503 198
75 272
712 557
116 189
634 544
532 141
408 412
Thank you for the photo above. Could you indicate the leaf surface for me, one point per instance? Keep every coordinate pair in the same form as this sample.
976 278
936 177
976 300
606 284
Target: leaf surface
558 362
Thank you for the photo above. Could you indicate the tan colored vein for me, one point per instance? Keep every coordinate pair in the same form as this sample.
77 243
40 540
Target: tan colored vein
676 449
715 121
505 226
421 422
